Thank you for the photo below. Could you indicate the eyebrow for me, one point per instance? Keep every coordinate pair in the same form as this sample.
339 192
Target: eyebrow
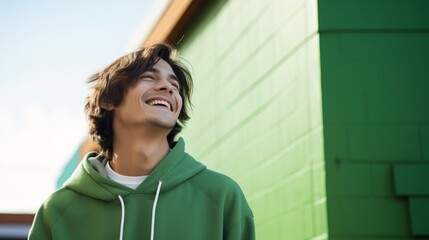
172 76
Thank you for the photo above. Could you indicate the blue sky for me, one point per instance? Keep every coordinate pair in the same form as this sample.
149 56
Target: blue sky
47 51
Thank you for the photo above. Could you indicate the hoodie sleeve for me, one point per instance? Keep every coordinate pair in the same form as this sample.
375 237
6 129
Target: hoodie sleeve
39 229
239 217
245 230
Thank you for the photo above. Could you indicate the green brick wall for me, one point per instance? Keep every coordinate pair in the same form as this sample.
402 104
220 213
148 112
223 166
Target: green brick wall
265 74
258 110
375 83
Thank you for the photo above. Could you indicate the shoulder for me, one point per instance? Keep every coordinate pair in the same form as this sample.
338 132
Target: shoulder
217 186
59 202
52 210
223 190
215 180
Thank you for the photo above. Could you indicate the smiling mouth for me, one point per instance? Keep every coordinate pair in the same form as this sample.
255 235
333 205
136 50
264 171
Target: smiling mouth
160 103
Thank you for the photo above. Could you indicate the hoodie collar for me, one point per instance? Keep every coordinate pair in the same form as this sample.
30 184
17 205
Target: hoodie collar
175 168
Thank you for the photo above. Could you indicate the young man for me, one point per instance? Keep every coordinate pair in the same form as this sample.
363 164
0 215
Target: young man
142 184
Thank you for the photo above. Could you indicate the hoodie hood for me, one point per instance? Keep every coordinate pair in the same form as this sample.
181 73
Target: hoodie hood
175 168
180 199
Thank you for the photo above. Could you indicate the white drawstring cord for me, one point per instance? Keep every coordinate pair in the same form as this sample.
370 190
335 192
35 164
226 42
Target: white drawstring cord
152 229
121 233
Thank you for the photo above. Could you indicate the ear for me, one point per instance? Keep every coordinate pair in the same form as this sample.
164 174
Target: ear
107 106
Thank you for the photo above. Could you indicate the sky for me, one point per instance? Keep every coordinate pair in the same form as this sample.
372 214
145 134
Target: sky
48 49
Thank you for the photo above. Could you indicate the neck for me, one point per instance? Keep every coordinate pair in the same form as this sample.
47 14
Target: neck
137 153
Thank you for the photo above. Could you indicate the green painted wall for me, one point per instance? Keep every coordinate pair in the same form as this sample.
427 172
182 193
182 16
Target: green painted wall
265 71
375 81
69 168
258 109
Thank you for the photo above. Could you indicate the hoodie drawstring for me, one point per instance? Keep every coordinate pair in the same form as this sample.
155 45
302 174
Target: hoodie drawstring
121 233
155 202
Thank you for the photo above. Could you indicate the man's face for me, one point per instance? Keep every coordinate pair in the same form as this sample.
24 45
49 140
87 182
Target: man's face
154 100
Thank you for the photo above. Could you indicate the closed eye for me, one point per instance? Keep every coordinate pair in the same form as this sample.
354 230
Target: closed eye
147 77
175 85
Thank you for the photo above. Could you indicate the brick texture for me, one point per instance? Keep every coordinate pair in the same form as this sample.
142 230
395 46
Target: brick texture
258 110
375 115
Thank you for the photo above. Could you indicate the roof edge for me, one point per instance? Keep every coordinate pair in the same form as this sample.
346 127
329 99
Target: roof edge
165 23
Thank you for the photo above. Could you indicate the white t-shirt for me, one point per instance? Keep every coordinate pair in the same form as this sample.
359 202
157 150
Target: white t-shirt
129 181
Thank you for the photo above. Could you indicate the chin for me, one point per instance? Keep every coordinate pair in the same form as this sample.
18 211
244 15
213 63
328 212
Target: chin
164 123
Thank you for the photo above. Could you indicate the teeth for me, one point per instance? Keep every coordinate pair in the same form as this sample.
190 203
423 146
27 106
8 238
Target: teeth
159 102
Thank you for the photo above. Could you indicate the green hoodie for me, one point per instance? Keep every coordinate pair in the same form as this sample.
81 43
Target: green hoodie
180 200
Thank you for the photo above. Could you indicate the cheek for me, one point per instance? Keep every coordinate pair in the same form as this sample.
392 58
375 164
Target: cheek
179 102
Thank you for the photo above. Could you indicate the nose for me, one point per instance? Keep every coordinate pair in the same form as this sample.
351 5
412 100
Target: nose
165 86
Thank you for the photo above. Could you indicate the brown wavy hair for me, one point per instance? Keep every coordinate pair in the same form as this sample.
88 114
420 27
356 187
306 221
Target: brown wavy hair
110 85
